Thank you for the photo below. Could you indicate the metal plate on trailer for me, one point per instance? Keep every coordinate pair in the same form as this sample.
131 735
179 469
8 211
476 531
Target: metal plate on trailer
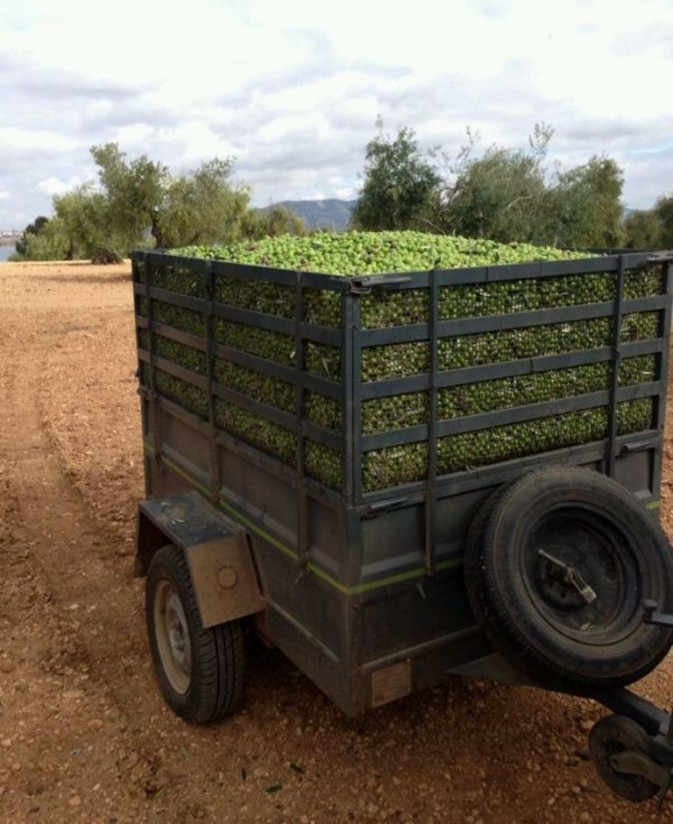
391 683
224 579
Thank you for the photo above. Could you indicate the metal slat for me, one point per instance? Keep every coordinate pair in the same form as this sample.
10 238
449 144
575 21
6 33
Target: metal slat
504 417
431 493
459 327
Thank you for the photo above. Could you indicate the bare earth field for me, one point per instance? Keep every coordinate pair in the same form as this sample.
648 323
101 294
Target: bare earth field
84 734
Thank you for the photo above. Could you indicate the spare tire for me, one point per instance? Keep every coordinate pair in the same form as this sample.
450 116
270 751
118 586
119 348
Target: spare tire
557 568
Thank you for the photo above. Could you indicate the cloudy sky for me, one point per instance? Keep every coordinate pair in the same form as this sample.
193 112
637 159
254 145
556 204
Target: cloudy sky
292 88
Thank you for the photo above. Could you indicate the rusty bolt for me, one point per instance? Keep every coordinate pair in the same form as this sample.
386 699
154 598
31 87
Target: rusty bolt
227 577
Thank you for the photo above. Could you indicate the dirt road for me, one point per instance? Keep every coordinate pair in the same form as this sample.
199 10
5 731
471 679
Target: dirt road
84 735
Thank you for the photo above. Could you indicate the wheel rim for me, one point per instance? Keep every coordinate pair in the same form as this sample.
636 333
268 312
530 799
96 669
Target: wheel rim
172 636
581 544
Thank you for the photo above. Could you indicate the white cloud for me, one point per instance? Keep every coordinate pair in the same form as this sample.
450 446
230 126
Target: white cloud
36 138
292 89
4 194
55 186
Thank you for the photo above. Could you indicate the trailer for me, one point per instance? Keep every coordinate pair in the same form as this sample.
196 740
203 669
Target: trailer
467 483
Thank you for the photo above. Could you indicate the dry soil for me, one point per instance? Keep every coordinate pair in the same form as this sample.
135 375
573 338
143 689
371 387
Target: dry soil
84 734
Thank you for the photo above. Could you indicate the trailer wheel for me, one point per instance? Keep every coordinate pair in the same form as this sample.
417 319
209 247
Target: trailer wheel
558 573
609 738
200 671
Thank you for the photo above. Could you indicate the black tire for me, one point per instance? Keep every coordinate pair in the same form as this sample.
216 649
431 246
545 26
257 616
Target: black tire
541 621
612 736
200 671
473 559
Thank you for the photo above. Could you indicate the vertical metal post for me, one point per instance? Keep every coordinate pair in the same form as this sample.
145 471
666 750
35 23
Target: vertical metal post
146 405
209 325
356 394
302 492
662 374
616 361
667 276
155 415
352 559
431 489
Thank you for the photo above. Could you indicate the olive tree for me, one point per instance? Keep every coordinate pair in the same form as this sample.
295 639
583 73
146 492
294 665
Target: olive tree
399 186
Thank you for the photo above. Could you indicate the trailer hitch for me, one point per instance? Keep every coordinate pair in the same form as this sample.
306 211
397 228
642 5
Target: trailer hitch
632 750
659 774
633 759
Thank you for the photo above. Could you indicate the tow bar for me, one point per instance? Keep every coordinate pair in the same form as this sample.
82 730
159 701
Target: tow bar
632 750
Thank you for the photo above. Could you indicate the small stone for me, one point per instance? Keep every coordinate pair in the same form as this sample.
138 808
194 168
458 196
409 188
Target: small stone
75 801
585 818
6 742
372 809
586 725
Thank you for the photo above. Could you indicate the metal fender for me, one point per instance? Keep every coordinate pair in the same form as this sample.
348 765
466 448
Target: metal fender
217 550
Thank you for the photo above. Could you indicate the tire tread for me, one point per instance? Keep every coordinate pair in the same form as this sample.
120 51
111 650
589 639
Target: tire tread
218 654
484 583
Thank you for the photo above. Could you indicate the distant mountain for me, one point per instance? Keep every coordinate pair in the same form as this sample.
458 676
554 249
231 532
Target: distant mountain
331 214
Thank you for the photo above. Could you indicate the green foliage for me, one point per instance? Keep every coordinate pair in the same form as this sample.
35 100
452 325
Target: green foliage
200 207
664 212
277 220
264 434
132 191
357 252
399 183
31 231
642 230
409 462
651 229
47 244
502 194
585 209
86 226
139 203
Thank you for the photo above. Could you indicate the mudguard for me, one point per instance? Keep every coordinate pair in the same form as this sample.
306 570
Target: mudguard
218 554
